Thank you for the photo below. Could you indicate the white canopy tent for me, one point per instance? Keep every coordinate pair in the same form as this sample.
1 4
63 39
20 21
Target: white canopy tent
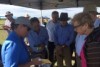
51 4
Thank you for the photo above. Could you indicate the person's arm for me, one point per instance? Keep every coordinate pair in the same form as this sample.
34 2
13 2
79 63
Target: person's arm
11 55
46 37
35 61
6 25
47 25
55 36
71 37
31 39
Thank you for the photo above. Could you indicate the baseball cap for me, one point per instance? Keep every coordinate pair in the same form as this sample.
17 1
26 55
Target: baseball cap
22 20
8 13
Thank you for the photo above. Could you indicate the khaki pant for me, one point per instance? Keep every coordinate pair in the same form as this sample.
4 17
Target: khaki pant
63 53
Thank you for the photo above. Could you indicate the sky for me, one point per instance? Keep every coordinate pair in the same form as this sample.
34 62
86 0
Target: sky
22 11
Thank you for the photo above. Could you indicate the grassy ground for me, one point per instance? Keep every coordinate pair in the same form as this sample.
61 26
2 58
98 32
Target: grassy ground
3 33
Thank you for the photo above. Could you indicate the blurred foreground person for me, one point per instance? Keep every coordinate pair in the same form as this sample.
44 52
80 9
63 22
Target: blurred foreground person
80 39
90 53
14 51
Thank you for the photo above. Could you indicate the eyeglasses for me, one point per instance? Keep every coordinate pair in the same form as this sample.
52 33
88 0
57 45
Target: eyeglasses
77 26
28 28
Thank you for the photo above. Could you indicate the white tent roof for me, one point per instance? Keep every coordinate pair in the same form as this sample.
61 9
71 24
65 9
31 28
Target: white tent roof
50 4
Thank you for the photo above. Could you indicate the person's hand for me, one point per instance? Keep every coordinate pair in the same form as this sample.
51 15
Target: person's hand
58 49
64 45
6 27
42 46
36 61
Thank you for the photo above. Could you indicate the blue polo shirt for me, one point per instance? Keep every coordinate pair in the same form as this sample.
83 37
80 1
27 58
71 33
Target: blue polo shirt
14 51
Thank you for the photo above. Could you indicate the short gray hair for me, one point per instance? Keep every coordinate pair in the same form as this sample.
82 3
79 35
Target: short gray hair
83 18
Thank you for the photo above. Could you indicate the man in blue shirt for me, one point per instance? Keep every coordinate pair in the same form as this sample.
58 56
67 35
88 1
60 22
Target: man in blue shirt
38 38
63 37
14 51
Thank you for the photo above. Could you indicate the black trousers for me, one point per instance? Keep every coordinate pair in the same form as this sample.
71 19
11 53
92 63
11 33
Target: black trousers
51 48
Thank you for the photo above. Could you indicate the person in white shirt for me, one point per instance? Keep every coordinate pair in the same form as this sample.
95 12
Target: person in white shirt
8 22
50 28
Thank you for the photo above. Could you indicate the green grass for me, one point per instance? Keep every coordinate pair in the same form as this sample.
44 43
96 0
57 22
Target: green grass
2 21
3 33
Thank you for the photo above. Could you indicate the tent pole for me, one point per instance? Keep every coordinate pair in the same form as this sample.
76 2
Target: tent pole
41 17
41 7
